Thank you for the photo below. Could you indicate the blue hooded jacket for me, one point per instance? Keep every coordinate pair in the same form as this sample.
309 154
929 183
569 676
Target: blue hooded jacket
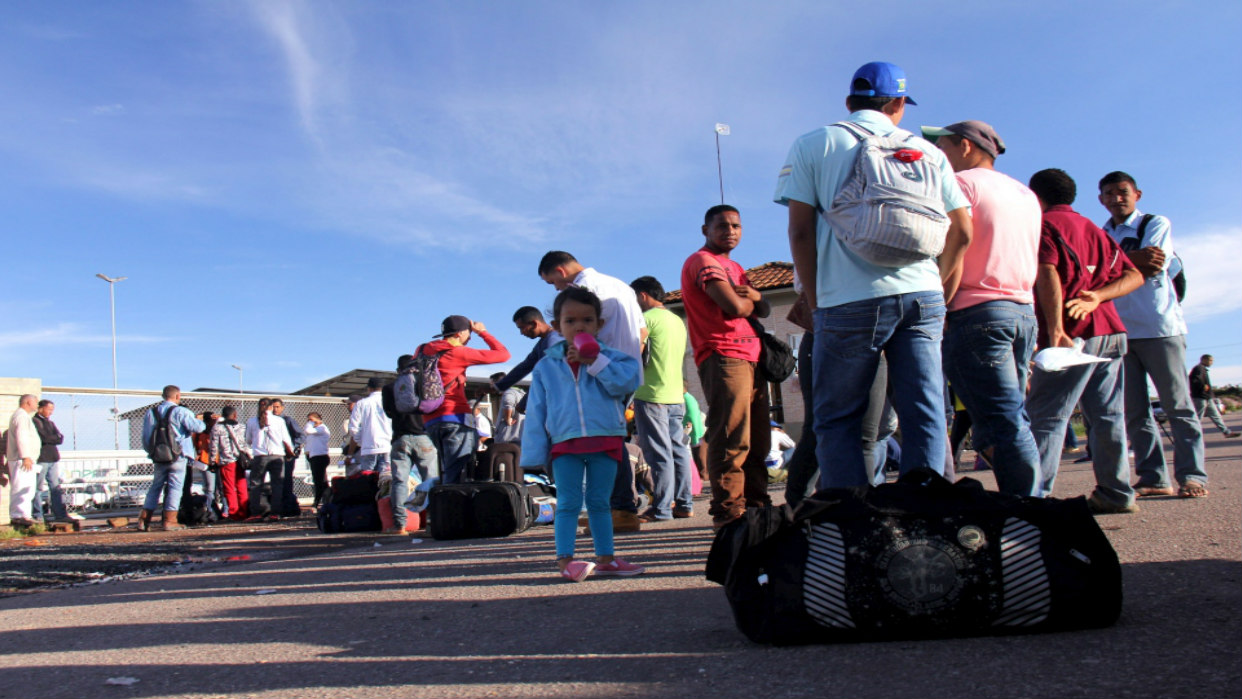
561 406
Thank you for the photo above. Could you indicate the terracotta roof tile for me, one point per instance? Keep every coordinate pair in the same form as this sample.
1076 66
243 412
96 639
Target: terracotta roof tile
770 275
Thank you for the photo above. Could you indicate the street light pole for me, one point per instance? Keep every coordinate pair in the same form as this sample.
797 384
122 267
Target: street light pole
116 412
721 130
241 387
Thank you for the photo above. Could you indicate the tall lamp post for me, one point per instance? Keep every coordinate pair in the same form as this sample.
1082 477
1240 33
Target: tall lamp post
116 412
721 130
241 387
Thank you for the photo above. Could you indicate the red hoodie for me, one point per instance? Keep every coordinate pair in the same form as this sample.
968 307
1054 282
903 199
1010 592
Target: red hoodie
453 371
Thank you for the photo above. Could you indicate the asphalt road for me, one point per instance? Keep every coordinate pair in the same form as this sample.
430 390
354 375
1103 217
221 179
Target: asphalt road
313 616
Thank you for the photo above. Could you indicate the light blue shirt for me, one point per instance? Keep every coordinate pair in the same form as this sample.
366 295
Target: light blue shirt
183 424
1152 310
818 165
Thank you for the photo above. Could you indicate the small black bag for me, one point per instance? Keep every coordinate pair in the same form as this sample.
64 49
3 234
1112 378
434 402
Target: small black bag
776 357
920 558
480 510
335 518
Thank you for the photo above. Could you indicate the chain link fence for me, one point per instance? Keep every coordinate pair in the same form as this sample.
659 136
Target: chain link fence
103 465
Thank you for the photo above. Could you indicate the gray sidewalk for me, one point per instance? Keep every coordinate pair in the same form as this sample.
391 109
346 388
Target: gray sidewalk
488 618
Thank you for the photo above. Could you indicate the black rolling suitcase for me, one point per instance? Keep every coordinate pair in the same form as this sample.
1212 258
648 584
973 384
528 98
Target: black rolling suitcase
479 510
919 558
501 462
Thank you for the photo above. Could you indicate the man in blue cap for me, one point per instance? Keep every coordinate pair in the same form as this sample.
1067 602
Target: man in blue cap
878 284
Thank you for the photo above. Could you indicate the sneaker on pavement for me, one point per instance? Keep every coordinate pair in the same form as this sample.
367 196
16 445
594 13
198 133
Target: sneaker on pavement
682 513
577 571
618 567
1100 506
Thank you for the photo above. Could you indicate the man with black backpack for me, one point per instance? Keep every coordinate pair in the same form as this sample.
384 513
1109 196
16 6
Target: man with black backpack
1156 336
877 275
167 436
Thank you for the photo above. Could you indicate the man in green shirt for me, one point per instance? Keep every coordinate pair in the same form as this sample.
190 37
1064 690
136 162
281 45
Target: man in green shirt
659 407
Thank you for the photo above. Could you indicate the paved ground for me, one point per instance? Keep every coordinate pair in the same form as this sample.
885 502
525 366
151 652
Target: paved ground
485 618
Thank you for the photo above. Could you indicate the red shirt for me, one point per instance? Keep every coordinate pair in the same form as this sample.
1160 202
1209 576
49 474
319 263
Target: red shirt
1100 262
453 371
711 331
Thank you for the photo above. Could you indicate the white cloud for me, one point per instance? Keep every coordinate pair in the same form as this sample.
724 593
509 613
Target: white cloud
66 333
108 109
1211 272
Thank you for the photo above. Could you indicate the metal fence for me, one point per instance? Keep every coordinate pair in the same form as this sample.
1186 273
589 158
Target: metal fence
103 466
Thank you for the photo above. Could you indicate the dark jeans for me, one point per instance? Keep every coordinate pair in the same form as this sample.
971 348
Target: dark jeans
288 498
319 474
274 468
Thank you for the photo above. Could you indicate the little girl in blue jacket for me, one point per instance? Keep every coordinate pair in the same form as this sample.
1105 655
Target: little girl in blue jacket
575 420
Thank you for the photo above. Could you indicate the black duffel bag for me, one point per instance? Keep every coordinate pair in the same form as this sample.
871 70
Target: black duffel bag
919 558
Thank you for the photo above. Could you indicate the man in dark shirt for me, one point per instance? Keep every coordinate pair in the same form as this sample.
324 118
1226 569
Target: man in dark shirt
1080 271
410 443
1200 393
530 323
49 462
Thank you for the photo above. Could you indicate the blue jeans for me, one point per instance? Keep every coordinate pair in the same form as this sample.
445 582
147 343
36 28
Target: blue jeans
1099 388
49 471
571 470
372 462
848 341
456 443
987 352
209 483
168 481
406 449
1164 360
663 441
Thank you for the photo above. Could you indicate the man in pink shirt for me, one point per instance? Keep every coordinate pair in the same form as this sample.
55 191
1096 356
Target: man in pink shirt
990 328
718 299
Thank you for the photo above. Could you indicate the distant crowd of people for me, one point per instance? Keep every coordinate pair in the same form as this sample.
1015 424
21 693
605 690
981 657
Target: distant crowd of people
920 269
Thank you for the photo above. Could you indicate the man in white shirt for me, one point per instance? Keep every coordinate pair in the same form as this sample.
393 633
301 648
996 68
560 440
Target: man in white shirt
270 444
22 453
624 328
372 430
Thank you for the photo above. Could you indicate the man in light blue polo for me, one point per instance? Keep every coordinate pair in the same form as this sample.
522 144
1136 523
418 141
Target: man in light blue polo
1156 347
863 308
169 476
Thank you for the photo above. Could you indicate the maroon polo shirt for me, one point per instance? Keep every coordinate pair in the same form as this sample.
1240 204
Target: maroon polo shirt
1066 234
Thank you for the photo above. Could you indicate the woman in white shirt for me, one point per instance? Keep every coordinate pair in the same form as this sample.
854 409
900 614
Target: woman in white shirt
317 436
270 443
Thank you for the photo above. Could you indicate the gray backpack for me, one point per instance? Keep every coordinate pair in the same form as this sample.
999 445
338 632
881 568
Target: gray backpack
890 212
163 447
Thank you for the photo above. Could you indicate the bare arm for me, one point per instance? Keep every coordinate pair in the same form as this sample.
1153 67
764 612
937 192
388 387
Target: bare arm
739 304
957 240
1088 301
1048 290
802 222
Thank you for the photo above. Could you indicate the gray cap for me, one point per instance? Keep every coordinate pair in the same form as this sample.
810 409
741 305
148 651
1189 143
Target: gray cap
977 132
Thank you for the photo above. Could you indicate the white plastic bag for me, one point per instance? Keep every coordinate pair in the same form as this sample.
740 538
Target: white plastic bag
1062 358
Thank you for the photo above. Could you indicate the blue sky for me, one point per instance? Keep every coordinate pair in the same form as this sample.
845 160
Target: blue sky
306 188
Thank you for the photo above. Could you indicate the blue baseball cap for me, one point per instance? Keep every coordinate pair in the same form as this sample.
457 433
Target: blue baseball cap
882 80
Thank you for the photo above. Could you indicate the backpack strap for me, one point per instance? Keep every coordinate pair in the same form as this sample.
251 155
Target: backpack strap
1142 227
1056 237
854 129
